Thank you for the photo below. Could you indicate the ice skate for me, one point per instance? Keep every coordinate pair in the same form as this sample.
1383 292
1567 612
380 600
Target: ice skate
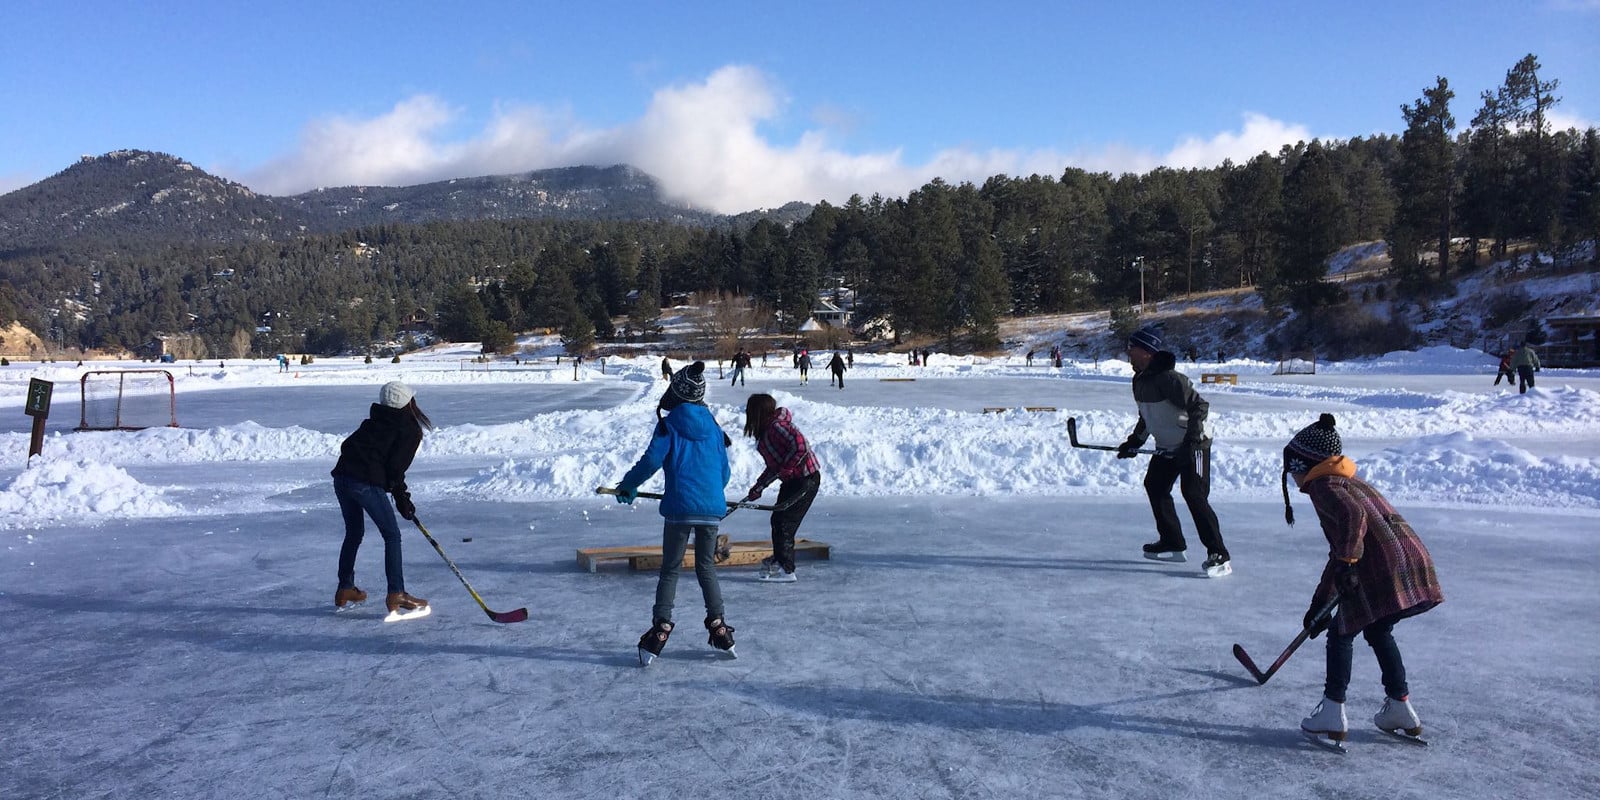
348 598
777 574
1157 551
721 636
1217 566
1399 719
404 606
723 550
653 640
768 564
1326 722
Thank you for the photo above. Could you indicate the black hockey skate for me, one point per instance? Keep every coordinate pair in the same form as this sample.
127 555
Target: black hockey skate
653 640
721 635
1158 551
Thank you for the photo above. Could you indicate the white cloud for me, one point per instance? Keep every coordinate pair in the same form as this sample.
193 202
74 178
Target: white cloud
705 144
1560 120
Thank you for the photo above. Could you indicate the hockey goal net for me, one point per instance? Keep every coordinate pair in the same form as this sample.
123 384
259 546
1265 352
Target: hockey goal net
127 400
1298 364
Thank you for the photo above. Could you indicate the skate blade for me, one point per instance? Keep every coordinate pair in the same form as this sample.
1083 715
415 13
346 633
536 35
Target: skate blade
348 607
646 658
1405 736
790 578
400 616
1324 740
1173 558
1219 572
731 653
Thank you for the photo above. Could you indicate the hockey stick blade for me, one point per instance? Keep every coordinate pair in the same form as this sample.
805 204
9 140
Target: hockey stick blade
1244 658
498 616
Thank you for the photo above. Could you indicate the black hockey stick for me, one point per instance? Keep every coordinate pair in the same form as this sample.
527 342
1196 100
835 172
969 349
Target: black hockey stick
732 504
1262 677
1072 434
498 616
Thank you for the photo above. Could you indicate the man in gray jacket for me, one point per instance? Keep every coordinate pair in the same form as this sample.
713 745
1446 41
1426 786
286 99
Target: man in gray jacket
1175 414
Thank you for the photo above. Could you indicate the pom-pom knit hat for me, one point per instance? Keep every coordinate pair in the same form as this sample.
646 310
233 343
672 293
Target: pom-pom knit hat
1147 339
688 385
1314 444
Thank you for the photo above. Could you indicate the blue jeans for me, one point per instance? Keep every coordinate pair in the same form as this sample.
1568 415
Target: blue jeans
674 541
357 498
738 375
1341 649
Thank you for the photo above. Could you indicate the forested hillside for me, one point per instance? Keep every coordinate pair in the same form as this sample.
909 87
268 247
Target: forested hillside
946 260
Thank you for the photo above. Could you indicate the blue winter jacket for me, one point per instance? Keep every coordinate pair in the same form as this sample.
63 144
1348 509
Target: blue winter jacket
692 451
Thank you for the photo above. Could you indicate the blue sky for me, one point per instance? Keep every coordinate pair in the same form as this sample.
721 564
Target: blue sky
736 106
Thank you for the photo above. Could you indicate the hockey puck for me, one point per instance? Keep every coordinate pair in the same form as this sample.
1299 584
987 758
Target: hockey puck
466 538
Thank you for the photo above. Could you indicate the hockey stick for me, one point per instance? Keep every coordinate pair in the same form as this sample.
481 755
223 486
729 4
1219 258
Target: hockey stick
732 504
498 616
1072 434
1262 677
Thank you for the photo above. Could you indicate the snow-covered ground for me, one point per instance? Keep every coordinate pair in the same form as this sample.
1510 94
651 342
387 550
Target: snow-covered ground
985 627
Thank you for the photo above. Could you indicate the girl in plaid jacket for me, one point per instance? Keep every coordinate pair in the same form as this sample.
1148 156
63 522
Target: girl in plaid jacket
789 459
1378 571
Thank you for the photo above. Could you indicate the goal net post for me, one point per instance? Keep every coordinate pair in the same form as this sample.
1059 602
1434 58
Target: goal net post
127 400
1301 363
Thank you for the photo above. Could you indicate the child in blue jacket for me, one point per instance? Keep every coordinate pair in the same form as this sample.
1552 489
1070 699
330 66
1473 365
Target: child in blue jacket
691 451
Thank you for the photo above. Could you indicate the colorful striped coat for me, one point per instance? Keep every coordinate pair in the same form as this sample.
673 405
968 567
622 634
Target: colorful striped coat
1395 570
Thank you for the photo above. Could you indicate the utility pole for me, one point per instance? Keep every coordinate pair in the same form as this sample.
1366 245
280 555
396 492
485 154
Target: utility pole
1138 264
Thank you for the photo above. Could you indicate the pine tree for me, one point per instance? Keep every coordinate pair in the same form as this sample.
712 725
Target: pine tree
1425 184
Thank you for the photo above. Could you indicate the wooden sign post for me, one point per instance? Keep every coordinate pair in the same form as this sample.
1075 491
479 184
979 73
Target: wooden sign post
38 407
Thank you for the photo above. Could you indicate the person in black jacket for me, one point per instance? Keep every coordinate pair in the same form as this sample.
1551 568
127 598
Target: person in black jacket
372 463
1172 412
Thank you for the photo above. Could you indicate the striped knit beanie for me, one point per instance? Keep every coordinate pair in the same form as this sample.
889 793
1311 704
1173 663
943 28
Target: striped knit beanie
1314 444
1148 339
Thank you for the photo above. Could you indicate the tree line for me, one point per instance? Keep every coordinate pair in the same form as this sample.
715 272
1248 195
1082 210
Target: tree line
946 260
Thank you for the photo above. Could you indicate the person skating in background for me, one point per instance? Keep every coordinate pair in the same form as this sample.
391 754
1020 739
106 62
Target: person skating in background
1506 371
789 460
741 362
1526 362
1377 567
804 363
836 366
372 465
666 369
1175 414
691 451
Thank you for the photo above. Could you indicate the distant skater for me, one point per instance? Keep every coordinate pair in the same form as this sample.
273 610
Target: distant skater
1175 414
836 366
1506 371
804 363
666 369
1377 569
691 451
1525 362
372 464
741 362
789 460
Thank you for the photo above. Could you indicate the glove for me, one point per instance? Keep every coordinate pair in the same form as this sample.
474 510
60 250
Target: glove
407 509
1346 579
1128 449
753 495
627 494
1317 626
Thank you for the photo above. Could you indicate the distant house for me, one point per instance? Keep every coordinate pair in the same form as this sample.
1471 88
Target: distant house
826 313
418 321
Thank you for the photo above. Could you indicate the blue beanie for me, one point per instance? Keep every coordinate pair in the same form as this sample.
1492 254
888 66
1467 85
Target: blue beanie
1148 339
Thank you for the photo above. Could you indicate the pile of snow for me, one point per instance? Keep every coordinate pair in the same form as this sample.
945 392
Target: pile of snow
57 489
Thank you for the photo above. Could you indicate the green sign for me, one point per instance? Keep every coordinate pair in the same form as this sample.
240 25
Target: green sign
39 397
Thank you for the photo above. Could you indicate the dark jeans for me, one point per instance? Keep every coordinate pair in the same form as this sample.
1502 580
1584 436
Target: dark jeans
786 523
1193 466
674 541
1524 379
738 376
1380 635
1505 374
356 498
839 376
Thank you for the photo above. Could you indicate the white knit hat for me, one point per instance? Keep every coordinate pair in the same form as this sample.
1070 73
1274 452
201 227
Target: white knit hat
395 394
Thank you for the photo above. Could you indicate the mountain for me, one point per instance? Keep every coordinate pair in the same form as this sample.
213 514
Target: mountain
136 196
132 196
